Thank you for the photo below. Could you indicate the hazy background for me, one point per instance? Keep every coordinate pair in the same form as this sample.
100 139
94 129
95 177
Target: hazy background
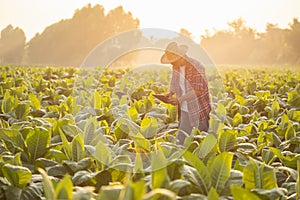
62 32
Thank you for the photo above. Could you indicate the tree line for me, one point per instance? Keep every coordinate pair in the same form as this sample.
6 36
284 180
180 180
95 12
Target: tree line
68 42
240 44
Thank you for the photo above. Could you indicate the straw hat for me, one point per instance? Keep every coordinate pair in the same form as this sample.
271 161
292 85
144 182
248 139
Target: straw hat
173 52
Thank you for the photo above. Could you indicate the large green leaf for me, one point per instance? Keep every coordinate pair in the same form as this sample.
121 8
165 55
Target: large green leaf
141 142
221 112
103 153
37 142
90 130
9 102
159 175
198 174
13 139
256 176
220 170
207 147
149 127
16 175
22 110
78 151
227 140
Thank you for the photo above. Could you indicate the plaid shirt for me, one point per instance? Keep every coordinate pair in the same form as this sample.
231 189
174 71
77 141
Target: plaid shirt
195 79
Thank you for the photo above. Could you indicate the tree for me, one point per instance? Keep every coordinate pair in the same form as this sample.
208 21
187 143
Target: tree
293 40
231 46
12 42
69 41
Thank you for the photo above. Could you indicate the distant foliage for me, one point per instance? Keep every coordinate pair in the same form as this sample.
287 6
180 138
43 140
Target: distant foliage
69 41
243 45
12 42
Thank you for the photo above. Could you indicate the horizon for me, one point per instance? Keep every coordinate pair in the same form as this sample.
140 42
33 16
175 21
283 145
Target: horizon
31 25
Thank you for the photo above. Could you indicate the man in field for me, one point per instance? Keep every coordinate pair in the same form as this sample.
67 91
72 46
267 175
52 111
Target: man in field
189 84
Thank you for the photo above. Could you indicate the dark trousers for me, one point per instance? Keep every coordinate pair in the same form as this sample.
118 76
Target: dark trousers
185 127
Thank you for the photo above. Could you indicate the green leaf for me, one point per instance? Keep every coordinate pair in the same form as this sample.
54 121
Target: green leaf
89 131
274 109
239 193
9 102
159 175
227 140
294 115
259 176
34 101
22 110
212 195
66 145
133 114
220 170
13 139
83 164
103 153
178 185
97 100
237 119
207 147
149 127
290 133
198 174
141 142
267 156
12 192
134 190
78 151
221 111
138 167
294 98
17 176
64 188
37 142
274 193
48 186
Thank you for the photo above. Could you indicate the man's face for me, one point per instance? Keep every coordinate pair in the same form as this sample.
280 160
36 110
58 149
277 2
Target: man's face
172 56
179 62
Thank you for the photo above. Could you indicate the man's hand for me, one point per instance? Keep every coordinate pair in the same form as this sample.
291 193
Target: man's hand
173 101
169 95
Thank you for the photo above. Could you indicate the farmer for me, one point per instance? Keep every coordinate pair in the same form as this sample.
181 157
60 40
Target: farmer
189 84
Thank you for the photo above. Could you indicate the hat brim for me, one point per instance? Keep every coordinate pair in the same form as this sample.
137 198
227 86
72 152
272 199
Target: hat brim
182 51
165 60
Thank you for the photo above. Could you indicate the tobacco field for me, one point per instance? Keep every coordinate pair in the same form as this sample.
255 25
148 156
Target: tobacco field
68 133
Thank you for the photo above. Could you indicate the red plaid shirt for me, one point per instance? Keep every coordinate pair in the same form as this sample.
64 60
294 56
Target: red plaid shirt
200 106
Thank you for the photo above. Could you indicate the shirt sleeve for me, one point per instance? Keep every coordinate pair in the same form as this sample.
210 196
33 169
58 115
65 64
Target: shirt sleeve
199 80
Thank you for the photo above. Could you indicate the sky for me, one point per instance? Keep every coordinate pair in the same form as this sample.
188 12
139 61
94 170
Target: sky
197 16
